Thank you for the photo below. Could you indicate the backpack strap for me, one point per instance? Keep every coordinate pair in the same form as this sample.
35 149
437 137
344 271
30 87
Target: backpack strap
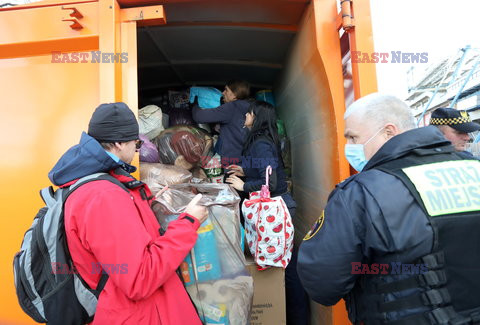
101 282
48 196
66 194
97 177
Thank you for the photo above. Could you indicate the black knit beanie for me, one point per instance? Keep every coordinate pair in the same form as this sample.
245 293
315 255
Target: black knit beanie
113 122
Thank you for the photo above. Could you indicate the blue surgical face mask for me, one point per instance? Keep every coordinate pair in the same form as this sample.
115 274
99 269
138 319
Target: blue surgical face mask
355 156
355 153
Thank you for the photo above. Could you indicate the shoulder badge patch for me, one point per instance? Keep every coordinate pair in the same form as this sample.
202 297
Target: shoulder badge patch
316 227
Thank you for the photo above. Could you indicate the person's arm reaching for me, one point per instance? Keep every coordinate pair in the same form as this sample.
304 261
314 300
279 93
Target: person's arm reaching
221 114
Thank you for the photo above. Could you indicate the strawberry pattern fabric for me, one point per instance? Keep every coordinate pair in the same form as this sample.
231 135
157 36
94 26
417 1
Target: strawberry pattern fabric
268 229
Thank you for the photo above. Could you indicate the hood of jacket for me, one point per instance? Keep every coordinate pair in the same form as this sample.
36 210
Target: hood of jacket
86 158
400 145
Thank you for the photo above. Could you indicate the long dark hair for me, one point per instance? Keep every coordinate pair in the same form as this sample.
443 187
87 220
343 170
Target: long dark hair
264 124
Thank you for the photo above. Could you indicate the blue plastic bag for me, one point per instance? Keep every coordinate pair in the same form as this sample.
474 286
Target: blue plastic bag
208 97
266 96
206 256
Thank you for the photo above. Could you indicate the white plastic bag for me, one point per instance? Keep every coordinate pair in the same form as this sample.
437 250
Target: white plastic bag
150 121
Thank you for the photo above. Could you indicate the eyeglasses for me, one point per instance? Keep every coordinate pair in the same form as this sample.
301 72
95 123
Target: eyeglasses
138 144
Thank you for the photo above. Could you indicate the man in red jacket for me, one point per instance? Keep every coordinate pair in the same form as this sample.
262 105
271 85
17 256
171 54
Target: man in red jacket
116 231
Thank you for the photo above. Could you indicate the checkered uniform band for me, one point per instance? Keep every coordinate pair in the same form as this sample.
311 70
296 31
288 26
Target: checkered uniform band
449 121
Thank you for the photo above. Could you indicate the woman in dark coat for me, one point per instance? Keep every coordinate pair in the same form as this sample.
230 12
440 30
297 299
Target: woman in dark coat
231 117
260 150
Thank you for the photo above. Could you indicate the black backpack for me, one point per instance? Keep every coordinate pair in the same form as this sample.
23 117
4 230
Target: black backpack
48 287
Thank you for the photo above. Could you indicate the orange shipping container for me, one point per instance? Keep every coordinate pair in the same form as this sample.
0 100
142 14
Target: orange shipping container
60 59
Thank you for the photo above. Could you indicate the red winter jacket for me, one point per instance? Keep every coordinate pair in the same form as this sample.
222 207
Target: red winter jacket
107 225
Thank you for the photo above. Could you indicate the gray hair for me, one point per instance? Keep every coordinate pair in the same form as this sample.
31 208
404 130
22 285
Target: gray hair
380 109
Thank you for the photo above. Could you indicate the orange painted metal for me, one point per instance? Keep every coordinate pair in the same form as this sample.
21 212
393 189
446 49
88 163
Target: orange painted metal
75 25
339 21
42 47
129 79
347 18
44 23
364 78
364 74
364 83
129 69
45 3
145 16
46 105
27 33
109 30
329 46
44 109
75 13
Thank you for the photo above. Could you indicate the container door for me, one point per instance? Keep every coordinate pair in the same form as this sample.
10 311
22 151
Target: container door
317 84
58 62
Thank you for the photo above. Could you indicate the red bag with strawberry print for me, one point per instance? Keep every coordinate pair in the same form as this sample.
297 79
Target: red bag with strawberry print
268 228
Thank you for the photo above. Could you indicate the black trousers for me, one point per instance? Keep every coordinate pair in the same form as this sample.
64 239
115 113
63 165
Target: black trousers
297 300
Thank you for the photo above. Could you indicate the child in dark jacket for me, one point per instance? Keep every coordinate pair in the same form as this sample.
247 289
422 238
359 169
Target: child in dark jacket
231 117
260 150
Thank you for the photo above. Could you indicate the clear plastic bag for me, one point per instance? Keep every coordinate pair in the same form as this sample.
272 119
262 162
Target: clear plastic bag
165 151
199 174
189 145
214 271
187 141
156 176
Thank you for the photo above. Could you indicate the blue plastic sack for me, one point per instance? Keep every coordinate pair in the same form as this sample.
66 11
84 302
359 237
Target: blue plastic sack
208 97
266 96
205 252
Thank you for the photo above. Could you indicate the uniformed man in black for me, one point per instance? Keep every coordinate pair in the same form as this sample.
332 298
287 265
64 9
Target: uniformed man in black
399 241
456 126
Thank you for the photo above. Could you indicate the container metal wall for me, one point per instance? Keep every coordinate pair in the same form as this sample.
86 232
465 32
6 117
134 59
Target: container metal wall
310 99
45 106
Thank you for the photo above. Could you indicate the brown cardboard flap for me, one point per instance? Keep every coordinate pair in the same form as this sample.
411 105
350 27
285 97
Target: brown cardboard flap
268 296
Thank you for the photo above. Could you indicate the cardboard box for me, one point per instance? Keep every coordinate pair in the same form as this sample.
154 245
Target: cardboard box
268 296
